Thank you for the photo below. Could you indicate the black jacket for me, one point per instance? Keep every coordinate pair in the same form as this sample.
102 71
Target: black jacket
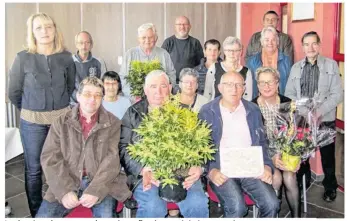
41 83
131 120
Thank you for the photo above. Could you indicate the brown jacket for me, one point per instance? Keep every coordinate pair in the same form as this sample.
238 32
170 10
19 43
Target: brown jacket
65 151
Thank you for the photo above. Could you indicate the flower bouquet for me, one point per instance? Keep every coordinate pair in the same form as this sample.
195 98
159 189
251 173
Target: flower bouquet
299 132
137 74
171 140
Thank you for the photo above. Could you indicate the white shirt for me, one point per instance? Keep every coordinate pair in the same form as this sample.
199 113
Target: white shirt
235 128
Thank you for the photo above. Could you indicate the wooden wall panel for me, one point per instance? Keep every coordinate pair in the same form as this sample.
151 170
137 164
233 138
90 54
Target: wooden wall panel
137 14
16 16
195 13
68 18
221 20
104 23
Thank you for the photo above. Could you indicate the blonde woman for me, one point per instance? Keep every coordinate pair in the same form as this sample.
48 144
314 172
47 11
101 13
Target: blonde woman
268 83
41 81
232 48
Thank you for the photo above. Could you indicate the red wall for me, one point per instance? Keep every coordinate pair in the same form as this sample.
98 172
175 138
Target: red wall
323 24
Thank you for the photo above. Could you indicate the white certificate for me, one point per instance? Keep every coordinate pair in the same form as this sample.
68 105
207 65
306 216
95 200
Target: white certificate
241 162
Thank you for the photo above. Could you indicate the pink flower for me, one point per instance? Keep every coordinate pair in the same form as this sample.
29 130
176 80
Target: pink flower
307 130
299 129
283 127
300 136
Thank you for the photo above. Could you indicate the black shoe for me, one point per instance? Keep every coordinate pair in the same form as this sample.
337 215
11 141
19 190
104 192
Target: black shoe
130 204
329 195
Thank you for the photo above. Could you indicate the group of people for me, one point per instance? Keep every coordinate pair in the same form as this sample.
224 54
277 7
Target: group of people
77 118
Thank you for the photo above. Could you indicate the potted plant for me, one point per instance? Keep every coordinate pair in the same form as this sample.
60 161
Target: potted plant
298 134
173 139
137 74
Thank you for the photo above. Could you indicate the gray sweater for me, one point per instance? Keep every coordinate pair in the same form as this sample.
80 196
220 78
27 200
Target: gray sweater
329 86
136 53
41 83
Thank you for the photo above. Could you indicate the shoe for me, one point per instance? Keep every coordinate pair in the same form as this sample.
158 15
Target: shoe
130 204
329 195
7 209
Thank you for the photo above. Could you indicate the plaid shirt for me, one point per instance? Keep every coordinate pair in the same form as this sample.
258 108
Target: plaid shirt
270 125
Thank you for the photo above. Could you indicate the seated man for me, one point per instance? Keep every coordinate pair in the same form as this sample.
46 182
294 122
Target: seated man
80 158
157 88
237 122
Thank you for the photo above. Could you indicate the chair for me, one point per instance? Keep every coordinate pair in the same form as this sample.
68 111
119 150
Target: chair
248 200
304 192
84 212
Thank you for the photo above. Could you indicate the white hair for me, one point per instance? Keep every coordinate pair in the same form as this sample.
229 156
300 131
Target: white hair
269 29
145 27
232 40
155 73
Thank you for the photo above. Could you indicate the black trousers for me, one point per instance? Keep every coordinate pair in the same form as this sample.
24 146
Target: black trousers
328 163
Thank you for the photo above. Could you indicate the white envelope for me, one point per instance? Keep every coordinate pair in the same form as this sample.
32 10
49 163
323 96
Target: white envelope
242 162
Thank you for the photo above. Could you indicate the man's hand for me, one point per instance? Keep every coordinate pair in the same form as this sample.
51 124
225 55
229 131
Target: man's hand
194 174
148 179
70 200
217 177
267 175
88 200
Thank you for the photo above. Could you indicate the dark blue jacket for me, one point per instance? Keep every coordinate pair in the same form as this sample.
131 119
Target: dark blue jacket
210 112
284 64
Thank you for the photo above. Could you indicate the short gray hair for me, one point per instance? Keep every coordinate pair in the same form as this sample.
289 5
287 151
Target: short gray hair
229 73
269 29
270 70
155 73
232 40
188 72
145 27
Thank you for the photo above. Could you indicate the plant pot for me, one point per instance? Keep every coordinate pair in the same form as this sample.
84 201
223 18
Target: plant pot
173 193
290 162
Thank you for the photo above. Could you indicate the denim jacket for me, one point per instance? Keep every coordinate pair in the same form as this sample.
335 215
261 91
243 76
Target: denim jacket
329 86
284 63
211 113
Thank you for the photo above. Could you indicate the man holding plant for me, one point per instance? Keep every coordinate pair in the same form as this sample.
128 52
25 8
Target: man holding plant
157 89
238 123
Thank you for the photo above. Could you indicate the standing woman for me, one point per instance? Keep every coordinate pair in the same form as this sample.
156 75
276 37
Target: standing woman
41 82
268 83
232 48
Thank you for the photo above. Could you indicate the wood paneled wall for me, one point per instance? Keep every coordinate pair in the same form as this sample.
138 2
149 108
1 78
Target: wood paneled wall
107 21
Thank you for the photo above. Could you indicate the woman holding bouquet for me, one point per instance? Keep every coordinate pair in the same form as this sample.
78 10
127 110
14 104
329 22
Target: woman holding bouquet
269 98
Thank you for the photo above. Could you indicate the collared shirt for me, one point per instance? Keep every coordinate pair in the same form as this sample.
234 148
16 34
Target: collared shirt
86 127
309 80
235 128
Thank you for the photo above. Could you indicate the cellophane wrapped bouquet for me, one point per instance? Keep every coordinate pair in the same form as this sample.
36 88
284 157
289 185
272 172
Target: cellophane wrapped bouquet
299 131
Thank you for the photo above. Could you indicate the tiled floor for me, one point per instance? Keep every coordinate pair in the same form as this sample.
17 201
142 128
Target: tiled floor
317 208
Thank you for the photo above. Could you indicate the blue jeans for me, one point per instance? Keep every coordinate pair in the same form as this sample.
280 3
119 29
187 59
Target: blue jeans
230 195
105 209
33 137
152 206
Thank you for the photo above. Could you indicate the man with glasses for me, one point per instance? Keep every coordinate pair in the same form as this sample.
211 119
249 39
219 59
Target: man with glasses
185 51
318 75
270 19
238 123
86 64
80 158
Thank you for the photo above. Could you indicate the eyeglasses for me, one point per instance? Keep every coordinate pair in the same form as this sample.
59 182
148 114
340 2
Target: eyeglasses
82 43
232 84
89 95
234 51
269 83
182 24
188 82
272 19
110 83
